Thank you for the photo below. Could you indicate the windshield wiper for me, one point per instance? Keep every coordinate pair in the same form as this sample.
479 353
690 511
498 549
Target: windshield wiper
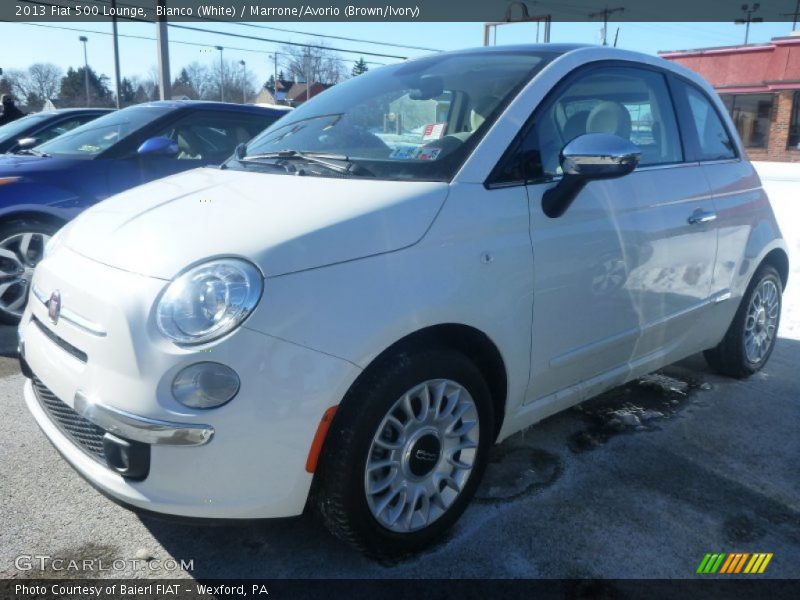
329 161
32 152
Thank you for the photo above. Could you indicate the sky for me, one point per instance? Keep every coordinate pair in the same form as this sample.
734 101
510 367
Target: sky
25 44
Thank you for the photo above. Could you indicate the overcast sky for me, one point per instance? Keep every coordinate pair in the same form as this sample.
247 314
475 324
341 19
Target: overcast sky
24 44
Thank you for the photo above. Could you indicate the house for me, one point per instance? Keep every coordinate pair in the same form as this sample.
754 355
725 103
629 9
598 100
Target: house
760 86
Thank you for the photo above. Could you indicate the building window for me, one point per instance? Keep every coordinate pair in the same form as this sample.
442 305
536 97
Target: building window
794 124
751 113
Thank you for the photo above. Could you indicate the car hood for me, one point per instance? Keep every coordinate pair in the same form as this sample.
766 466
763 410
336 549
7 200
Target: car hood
283 223
12 165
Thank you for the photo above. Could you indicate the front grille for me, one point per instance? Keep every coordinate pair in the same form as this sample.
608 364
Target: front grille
85 434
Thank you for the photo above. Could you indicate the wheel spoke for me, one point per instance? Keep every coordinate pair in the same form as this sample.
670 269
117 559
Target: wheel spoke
399 507
378 486
412 507
24 246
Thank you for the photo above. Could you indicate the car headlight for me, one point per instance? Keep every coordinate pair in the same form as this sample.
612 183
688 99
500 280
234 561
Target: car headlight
209 300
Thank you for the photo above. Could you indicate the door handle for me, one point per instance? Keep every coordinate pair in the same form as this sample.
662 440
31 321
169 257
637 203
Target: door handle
701 216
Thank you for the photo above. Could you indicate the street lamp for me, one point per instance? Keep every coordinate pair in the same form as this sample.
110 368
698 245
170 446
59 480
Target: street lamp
221 76
748 10
244 81
84 39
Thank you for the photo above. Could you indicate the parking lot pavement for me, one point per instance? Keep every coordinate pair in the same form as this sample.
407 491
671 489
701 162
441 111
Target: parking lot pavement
640 482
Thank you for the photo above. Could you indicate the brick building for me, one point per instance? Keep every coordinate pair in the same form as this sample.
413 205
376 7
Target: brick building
760 86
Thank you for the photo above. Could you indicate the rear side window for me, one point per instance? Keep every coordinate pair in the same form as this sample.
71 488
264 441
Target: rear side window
713 140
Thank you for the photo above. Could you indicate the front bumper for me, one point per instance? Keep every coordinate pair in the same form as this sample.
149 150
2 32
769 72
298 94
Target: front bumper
245 459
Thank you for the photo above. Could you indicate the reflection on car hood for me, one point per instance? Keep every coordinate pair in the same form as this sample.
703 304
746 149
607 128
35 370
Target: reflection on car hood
283 223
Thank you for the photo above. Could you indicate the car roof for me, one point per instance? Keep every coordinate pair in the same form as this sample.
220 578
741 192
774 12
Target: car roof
522 48
77 111
211 105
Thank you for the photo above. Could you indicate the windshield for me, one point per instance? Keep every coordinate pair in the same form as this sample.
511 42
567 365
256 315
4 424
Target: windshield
14 128
94 137
416 120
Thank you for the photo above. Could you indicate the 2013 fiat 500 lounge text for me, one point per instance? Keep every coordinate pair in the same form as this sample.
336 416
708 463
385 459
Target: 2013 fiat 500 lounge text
410 267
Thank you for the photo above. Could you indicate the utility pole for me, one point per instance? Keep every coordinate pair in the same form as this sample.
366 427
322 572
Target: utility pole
275 79
244 81
794 15
307 61
162 39
116 51
605 13
84 39
221 75
748 10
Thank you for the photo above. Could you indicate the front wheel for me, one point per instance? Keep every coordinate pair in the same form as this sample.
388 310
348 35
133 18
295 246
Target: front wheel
22 245
406 452
751 336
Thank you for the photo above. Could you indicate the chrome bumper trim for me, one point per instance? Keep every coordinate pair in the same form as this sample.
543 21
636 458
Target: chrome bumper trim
68 315
141 429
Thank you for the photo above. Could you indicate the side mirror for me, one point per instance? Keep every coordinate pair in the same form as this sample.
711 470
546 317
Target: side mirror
27 142
158 146
586 158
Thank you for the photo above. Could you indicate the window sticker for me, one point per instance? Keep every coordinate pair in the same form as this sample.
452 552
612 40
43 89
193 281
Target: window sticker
433 131
431 153
404 152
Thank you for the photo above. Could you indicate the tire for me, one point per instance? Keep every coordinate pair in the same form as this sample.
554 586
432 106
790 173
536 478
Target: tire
738 355
341 492
21 246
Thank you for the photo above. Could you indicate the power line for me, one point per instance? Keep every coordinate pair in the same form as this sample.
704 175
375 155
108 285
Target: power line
315 46
242 36
152 39
306 33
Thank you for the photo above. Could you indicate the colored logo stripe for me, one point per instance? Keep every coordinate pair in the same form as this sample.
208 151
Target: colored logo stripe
735 562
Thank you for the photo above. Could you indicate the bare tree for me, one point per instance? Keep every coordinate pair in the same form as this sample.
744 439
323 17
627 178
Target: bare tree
44 80
17 80
313 64
239 82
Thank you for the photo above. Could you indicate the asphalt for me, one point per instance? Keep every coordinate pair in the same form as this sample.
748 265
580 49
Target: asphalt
641 482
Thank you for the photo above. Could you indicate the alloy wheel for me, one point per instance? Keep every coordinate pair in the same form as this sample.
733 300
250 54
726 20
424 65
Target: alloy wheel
19 255
761 322
422 455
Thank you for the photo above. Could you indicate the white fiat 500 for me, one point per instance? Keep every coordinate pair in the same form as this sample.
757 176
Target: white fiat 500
403 271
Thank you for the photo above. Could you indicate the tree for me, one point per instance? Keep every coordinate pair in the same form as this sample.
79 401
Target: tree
238 82
73 89
44 80
359 67
313 64
127 93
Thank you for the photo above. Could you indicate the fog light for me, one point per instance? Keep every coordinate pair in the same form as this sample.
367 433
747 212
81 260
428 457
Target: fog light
205 385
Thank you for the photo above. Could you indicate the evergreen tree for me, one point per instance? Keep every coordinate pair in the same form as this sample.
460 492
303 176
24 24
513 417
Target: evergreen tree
73 88
359 67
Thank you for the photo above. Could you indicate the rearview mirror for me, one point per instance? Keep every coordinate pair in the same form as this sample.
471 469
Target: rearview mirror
428 88
586 158
27 142
158 146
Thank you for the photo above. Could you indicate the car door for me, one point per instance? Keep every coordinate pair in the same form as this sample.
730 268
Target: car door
734 182
621 277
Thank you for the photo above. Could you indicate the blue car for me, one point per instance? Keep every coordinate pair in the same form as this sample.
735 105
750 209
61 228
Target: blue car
46 186
38 128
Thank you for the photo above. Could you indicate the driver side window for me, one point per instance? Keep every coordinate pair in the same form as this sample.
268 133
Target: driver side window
631 103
